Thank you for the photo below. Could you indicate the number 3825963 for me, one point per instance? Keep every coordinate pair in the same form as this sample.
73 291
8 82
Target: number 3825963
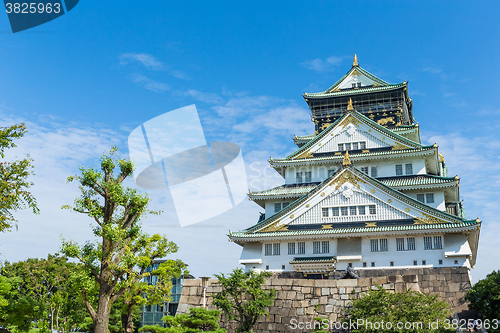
32 8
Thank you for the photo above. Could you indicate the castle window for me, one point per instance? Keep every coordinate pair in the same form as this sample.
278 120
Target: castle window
373 209
301 247
410 243
267 267
354 85
415 263
378 245
391 263
399 169
430 245
352 210
362 145
427 243
364 169
364 264
343 210
349 264
276 249
268 250
424 262
316 247
355 146
277 207
421 198
347 146
400 244
409 169
341 146
324 212
374 172
438 244
298 177
291 248
325 246
440 261
456 262
373 264
308 176
361 210
359 84
335 211
282 266
374 245
383 244
429 198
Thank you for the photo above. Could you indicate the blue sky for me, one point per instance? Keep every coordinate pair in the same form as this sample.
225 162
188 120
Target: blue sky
84 81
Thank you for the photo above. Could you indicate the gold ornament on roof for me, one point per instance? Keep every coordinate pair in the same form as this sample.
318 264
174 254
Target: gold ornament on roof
441 157
355 61
347 160
349 106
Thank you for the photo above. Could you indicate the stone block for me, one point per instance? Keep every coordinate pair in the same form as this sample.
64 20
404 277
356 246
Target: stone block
314 301
325 283
334 290
454 287
347 283
379 280
328 308
413 286
387 286
364 282
291 294
306 290
191 283
300 312
325 291
323 300
410 278
304 303
341 291
300 296
344 297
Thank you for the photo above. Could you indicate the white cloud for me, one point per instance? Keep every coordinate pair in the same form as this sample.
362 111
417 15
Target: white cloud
150 84
208 98
320 65
144 59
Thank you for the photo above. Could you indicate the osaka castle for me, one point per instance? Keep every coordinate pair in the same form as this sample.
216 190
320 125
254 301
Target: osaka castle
362 192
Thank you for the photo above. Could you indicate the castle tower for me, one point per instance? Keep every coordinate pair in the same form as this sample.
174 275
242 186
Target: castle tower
362 192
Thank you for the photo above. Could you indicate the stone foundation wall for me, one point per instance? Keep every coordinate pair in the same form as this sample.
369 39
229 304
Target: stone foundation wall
303 299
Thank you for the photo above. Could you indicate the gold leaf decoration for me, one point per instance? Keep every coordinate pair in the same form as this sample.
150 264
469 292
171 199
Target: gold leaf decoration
305 154
350 119
428 219
347 177
370 224
399 146
326 226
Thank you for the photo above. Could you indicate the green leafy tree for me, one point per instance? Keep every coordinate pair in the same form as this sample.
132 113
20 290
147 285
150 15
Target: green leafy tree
14 184
484 297
198 320
118 260
382 307
17 311
242 298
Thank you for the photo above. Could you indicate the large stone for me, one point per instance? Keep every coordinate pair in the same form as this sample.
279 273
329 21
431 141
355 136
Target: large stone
347 283
325 291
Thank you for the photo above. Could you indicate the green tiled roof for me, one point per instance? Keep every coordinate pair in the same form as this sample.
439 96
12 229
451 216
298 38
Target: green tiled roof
304 260
284 190
366 120
329 92
471 223
285 161
416 180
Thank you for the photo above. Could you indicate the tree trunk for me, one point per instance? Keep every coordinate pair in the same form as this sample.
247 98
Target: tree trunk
103 308
127 322
51 319
57 318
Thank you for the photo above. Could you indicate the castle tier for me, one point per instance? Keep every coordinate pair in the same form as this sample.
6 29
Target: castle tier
361 192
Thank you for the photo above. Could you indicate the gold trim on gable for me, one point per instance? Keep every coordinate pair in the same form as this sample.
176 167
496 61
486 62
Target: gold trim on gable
346 177
305 154
428 219
399 146
350 119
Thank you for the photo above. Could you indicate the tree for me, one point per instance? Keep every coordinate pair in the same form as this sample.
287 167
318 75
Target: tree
377 309
242 297
118 261
198 320
14 184
484 297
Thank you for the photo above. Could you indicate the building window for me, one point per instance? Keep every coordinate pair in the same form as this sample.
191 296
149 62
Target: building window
354 85
308 176
267 267
269 249
364 169
343 210
362 145
324 212
409 169
425 197
440 261
430 245
456 262
341 146
378 245
335 211
373 210
415 263
291 248
298 177
347 146
316 247
355 146
361 210
282 266
373 264
424 262
391 263
400 244
364 264
374 172
410 243
325 246
438 244
359 84
301 247
349 264
399 169
331 172
276 249
352 210
277 207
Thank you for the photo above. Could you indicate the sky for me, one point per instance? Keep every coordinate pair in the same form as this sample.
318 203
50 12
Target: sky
84 81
